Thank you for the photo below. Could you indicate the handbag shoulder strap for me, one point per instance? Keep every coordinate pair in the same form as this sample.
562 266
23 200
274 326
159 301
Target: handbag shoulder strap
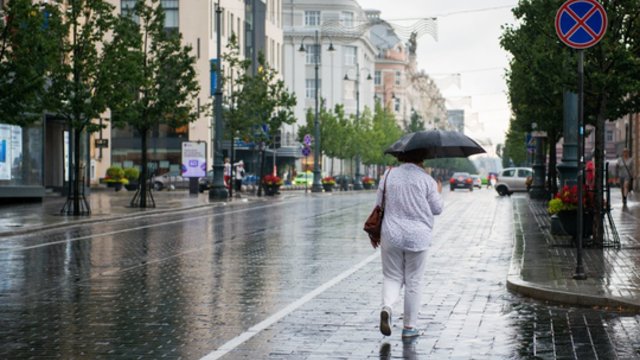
384 188
625 166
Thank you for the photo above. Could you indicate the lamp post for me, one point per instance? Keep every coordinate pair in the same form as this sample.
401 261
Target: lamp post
317 185
357 182
218 191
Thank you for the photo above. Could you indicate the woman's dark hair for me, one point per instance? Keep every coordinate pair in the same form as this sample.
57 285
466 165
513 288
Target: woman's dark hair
414 156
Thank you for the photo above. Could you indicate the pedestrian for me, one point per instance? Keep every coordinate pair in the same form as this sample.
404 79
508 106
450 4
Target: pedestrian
227 173
412 199
239 166
624 169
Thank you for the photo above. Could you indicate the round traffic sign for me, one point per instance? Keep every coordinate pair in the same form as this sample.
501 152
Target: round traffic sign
306 151
581 23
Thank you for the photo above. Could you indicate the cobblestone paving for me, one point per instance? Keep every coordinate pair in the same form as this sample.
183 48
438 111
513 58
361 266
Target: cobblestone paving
179 288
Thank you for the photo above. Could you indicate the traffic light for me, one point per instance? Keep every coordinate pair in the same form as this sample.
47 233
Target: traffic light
277 141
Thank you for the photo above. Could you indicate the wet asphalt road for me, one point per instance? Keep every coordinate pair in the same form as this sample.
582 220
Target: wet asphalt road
290 278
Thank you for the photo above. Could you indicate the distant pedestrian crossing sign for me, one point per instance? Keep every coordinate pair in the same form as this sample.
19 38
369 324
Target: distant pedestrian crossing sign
580 24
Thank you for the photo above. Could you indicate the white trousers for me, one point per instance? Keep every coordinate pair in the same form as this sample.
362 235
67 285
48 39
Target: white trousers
401 267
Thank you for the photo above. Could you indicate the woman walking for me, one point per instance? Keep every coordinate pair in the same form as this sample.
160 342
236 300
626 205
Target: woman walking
412 199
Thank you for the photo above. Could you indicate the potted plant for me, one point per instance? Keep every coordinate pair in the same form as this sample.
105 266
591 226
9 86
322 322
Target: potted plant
115 178
564 205
271 184
132 175
328 183
368 182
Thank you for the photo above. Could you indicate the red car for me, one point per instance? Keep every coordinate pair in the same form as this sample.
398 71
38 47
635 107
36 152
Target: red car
461 180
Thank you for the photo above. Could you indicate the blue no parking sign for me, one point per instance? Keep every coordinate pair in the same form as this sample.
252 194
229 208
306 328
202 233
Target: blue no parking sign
581 23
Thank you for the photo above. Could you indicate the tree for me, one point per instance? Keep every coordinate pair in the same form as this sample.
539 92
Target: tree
611 68
415 123
382 131
154 79
27 53
77 83
259 103
514 152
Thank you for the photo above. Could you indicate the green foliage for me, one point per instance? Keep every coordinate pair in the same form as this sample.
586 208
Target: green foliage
115 173
381 131
78 82
153 76
256 99
453 165
28 51
415 123
556 205
514 151
132 174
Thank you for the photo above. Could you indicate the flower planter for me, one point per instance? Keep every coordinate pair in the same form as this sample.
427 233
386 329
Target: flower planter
569 221
367 186
271 190
132 186
328 187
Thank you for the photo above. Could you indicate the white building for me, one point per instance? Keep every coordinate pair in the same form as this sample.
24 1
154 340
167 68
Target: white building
342 25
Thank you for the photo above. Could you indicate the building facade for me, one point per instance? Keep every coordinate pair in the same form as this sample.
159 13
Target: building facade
334 37
256 25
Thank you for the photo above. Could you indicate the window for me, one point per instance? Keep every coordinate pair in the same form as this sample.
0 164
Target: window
312 18
171 14
398 77
313 54
508 173
311 88
396 105
523 173
346 18
377 78
350 55
609 135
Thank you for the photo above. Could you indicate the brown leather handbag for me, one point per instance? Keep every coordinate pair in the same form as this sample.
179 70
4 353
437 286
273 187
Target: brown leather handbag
373 224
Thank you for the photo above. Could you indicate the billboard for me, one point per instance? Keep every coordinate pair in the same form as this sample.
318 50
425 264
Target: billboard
194 159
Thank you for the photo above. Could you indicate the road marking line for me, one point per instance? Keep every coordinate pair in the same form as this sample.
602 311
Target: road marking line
254 330
135 229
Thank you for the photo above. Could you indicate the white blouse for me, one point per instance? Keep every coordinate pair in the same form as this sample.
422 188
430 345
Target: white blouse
411 202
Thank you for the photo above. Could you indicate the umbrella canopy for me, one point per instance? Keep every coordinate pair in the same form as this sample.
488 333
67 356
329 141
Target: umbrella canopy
436 144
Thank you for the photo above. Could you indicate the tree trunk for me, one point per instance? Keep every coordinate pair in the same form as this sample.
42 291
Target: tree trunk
77 171
144 161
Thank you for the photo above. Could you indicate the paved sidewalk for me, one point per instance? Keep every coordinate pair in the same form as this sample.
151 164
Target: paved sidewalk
543 264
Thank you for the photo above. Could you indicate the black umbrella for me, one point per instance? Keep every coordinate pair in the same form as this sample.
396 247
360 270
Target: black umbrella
436 144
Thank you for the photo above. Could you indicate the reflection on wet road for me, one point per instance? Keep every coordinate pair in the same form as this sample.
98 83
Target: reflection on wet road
184 285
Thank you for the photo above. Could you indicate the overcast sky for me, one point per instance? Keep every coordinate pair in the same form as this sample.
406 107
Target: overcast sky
468 43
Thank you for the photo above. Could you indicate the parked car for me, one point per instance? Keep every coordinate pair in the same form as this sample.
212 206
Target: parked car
170 180
461 180
513 179
304 178
477 181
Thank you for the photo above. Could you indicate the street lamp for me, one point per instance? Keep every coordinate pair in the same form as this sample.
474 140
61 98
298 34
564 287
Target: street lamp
317 185
218 191
357 183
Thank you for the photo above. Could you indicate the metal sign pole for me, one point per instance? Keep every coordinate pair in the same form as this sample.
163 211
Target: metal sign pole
580 275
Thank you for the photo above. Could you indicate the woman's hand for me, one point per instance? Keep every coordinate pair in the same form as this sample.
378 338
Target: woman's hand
439 186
